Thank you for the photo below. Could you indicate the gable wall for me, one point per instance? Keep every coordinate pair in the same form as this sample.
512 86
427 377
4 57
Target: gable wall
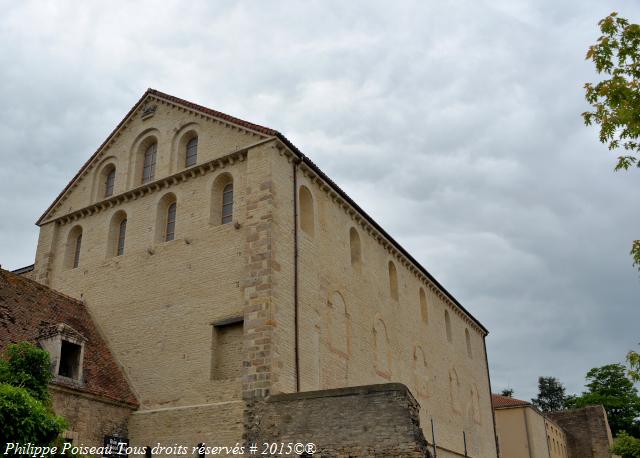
156 303
167 125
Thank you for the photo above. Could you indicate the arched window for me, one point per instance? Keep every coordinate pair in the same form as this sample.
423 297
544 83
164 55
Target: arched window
149 163
424 309
307 223
109 182
121 234
191 155
227 203
467 338
222 199
76 254
73 248
393 281
166 217
354 244
117 233
170 228
447 325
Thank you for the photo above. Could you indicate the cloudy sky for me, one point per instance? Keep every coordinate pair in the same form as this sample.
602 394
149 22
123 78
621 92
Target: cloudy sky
455 124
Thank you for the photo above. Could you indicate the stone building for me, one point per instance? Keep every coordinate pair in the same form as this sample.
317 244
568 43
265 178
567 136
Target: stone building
224 267
88 389
523 431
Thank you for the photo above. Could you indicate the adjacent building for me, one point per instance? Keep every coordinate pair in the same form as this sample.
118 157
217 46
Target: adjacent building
88 388
523 431
225 268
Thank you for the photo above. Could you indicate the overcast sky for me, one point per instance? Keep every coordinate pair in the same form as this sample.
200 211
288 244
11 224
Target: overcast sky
455 124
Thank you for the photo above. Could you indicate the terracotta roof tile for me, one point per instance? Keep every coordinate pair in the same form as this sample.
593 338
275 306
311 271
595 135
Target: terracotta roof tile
504 401
29 309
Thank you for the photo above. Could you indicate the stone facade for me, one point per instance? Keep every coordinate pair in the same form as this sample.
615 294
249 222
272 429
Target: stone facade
324 297
90 418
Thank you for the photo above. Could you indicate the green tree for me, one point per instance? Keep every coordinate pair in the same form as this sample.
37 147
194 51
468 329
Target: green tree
25 404
626 446
633 358
616 98
608 386
551 395
508 392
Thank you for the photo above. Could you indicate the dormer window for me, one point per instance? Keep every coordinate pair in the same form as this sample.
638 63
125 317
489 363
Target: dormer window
65 345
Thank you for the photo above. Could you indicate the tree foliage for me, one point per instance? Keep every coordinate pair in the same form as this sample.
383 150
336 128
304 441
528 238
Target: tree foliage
616 98
508 392
633 358
608 386
551 395
27 367
626 446
25 405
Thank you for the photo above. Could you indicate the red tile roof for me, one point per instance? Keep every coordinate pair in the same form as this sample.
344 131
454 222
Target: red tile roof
504 401
28 309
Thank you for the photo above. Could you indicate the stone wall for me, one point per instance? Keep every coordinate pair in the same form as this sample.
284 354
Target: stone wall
375 420
89 417
587 429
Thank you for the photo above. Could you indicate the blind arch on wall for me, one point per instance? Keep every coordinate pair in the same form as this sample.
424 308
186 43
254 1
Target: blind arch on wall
355 249
307 215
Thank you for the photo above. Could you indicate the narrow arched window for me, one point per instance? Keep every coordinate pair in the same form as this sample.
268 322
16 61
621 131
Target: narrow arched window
307 223
447 325
149 164
227 203
170 228
73 248
354 244
109 182
424 309
467 338
393 281
191 155
122 231
76 252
